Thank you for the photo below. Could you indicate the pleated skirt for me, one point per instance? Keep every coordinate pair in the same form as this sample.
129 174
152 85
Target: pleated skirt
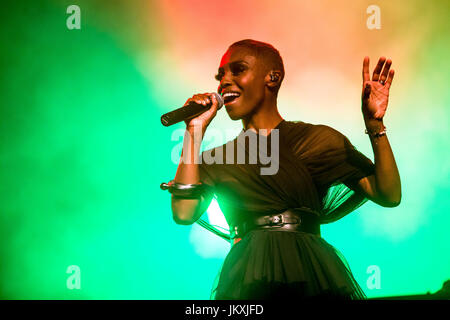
272 265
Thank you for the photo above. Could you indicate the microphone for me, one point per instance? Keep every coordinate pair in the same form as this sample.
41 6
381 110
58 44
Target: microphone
189 111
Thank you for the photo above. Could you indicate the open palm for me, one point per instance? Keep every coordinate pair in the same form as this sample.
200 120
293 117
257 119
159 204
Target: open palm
375 92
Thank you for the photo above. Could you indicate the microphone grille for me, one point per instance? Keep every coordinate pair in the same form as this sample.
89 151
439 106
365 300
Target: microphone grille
219 99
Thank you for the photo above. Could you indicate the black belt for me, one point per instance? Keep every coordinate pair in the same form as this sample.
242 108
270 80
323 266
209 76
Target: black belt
297 219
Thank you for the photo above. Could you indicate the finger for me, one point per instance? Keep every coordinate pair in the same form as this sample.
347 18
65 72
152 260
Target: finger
195 98
377 70
389 78
365 70
200 99
207 99
214 100
188 101
210 112
204 99
366 92
385 72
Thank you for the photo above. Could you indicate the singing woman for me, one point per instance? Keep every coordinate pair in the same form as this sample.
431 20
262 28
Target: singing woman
277 251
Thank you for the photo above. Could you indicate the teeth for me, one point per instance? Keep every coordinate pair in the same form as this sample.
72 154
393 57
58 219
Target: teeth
231 94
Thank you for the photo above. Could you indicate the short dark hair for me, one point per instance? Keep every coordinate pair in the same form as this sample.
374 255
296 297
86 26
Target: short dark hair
265 51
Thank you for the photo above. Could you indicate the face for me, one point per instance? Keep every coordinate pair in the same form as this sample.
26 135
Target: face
242 83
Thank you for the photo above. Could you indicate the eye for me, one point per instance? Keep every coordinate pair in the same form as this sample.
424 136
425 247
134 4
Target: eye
236 69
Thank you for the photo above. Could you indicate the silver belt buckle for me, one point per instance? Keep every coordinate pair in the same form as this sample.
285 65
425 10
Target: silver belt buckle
276 220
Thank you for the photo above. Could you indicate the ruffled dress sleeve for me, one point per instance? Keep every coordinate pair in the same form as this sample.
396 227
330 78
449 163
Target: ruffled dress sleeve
335 166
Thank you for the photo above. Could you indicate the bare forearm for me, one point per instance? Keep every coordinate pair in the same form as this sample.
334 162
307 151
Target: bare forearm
184 210
188 171
387 177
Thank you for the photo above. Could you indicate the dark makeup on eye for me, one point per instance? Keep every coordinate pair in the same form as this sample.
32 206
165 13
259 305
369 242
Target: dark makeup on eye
235 67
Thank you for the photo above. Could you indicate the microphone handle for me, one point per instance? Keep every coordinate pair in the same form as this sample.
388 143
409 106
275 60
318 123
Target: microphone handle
184 113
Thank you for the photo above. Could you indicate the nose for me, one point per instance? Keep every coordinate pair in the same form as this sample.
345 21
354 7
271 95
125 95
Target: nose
224 83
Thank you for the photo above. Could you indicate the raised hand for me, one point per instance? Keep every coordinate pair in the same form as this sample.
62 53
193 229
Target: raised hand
375 92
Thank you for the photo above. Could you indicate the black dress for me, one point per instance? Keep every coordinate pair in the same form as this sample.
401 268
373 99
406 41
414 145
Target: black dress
316 166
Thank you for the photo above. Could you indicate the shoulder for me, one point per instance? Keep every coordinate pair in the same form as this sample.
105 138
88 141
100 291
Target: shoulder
300 131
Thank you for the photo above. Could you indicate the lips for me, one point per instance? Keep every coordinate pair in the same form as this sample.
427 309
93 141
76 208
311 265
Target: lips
230 96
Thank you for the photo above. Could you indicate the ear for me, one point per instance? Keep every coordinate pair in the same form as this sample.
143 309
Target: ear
273 79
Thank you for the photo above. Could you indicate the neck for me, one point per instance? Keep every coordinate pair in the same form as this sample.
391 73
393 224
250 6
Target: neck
266 117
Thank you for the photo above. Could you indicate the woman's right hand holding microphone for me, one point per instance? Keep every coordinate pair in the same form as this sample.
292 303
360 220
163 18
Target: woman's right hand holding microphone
203 120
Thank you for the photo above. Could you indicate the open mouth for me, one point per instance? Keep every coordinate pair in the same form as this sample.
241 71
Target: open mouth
230 97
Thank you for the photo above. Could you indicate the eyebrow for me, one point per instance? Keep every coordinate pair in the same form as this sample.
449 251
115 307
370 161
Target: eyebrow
233 63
